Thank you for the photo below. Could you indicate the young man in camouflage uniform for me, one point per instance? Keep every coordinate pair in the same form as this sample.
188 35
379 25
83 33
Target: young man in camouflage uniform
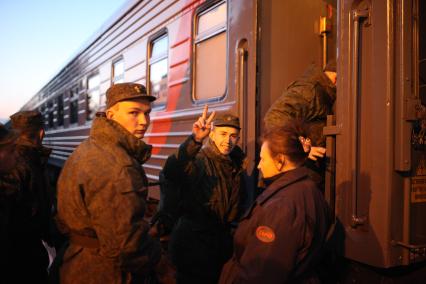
310 98
101 197
26 204
212 197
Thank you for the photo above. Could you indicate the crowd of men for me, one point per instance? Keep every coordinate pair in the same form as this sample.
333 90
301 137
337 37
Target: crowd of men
99 204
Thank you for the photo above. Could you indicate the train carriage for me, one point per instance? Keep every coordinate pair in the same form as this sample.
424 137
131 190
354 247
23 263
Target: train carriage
238 56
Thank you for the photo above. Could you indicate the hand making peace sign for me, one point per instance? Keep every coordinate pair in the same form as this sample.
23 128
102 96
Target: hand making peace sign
201 128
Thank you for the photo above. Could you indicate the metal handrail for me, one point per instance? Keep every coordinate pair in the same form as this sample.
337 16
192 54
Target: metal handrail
242 55
357 16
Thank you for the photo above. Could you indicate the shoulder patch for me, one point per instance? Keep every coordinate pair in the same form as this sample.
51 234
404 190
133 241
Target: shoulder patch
265 234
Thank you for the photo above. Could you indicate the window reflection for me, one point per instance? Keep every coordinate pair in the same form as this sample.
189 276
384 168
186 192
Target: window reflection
93 96
158 69
118 71
210 54
213 19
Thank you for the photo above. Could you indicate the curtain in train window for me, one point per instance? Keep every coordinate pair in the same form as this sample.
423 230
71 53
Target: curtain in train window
158 69
93 96
118 71
210 53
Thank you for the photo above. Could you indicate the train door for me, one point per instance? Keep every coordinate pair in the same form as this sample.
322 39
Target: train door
291 37
379 80
242 56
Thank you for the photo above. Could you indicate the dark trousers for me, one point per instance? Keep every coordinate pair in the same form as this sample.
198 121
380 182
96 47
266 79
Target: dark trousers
26 262
199 253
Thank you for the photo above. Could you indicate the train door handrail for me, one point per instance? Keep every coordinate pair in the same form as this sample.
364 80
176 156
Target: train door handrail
359 15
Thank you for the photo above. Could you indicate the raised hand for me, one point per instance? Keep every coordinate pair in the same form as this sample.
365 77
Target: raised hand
201 128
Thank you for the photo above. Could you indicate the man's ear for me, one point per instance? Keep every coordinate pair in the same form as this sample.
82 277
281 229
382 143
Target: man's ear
109 114
280 162
41 134
332 76
211 134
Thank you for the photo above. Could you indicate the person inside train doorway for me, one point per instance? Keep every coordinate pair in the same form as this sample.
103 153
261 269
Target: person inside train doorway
213 197
281 238
26 203
309 98
101 197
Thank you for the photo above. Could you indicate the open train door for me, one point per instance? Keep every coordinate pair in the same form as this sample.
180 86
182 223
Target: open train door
291 37
377 165
293 34
242 54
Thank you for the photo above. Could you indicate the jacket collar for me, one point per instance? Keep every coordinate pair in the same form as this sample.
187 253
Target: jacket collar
109 132
282 182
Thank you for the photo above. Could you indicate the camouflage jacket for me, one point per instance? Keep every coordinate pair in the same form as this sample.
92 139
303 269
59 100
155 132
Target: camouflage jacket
212 190
25 199
309 98
26 186
101 195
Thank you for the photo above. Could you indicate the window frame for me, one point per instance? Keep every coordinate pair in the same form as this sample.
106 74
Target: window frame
202 10
114 62
156 36
89 76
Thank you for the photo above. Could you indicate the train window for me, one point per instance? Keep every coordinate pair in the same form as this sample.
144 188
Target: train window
93 96
158 69
210 53
50 120
74 106
60 110
118 71
49 113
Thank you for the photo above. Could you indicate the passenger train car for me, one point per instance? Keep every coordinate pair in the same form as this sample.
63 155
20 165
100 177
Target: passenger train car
238 56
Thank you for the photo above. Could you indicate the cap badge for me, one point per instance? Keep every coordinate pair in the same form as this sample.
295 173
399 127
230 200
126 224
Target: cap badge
265 234
138 89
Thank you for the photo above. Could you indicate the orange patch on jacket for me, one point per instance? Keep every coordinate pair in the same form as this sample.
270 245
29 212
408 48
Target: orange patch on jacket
265 234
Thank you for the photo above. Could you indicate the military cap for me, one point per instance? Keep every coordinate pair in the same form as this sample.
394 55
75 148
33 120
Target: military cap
227 119
29 119
126 91
7 136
